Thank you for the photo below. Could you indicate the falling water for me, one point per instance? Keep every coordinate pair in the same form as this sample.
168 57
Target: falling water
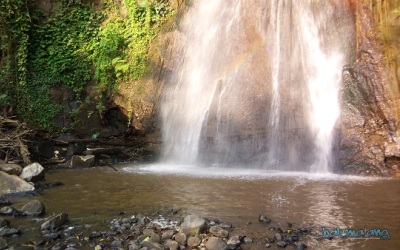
257 84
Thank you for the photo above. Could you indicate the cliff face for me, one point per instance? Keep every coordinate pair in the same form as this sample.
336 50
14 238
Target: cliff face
368 137
367 130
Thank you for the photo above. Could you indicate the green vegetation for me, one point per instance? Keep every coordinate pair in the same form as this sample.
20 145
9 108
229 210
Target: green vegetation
73 45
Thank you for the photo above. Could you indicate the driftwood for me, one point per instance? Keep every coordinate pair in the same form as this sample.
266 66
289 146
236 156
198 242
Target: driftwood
13 136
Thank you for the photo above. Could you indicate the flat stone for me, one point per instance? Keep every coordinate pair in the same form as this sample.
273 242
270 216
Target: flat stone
12 169
32 173
54 222
193 225
13 184
82 161
215 243
33 208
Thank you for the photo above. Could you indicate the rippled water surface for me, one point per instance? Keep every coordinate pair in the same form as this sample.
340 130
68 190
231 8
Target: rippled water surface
91 196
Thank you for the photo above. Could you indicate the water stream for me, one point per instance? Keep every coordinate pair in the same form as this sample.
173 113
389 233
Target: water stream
257 84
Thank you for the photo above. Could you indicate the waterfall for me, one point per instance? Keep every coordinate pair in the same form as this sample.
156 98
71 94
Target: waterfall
257 84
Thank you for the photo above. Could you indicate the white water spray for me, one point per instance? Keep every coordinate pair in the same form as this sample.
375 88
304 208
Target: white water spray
257 85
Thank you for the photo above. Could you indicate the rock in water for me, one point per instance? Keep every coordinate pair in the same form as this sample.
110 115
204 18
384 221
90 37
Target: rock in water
32 173
12 169
215 243
13 184
33 208
7 231
54 222
10 211
264 219
193 225
234 242
82 161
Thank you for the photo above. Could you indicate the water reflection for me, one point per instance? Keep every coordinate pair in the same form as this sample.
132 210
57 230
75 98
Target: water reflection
95 195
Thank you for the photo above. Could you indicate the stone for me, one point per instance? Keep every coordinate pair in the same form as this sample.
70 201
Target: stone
264 219
7 231
13 184
278 237
12 169
153 245
10 211
168 234
3 244
193 225
33 208
32 173
300 245
247 240
82 161
171 244
215 243
194 241
217 231
4 201
233 242
281 243
180 238
155 238
54 222
116 244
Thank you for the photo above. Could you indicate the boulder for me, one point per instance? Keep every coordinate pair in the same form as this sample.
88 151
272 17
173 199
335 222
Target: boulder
33 208
193 225
82 161
12 169
54 222
13 184
215 243
32 173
